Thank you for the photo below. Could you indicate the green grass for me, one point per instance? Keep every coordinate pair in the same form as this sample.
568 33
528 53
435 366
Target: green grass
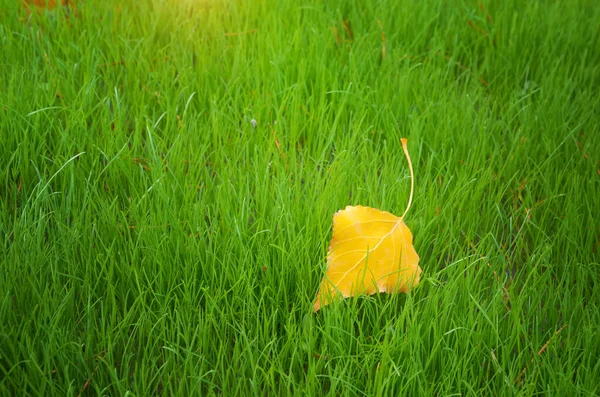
152 242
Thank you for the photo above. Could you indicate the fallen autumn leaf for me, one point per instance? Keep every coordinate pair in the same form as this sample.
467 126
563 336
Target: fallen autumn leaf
371 251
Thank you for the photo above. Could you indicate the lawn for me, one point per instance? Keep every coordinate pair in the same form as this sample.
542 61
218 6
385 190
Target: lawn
169 171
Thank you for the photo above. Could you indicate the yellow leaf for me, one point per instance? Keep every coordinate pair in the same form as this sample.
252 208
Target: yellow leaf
371 251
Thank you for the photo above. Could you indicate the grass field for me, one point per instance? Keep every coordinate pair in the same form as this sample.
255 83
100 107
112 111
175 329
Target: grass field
153 242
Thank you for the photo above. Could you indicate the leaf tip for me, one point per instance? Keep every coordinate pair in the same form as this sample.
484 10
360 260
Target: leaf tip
316 306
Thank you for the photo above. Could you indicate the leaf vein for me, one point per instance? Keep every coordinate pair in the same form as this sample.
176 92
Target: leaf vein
374 248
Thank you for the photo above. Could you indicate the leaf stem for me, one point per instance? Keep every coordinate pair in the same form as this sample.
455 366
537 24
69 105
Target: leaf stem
412 175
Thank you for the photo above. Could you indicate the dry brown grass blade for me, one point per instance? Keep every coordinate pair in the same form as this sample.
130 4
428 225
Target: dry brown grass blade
465 69
89 380
505 294
232 34
383 45
540 352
